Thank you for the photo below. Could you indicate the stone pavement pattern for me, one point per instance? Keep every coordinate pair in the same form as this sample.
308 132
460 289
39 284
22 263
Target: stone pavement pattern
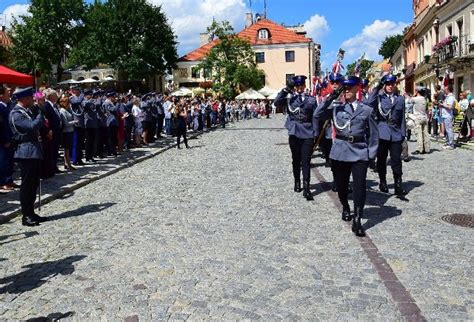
216 232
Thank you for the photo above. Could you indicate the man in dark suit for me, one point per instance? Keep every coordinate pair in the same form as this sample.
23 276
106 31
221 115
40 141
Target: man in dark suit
6 147
51 113
390 112
25 124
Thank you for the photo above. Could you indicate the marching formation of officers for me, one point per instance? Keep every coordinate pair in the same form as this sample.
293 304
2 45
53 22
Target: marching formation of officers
352 133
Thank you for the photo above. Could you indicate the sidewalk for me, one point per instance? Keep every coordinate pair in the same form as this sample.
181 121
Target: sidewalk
65 183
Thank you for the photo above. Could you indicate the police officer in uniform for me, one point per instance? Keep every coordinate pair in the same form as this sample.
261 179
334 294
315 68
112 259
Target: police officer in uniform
79 131
111 108
389 109
25 125
91 123
302 127
355 144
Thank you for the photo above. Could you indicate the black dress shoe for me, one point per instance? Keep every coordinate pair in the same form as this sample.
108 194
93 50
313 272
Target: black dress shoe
307 192
39 219
297 187
357 228
399 191
346 214
383 186
29 221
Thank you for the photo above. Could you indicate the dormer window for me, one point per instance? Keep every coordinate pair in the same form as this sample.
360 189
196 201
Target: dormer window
263 34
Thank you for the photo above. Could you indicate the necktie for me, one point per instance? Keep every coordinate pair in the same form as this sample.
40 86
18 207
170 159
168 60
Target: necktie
352 108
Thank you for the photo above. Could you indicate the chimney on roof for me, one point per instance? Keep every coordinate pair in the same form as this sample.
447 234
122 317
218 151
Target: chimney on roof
203 38
248 19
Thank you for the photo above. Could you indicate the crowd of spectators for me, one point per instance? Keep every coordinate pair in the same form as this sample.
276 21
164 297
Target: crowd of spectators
83 125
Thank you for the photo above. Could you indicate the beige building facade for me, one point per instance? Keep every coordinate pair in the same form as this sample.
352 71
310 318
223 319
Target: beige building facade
280 52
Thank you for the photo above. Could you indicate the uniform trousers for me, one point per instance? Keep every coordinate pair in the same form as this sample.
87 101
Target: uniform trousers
30 180
301 151
326 145
78 144
91 142
159 124
113 139
103 141
395 149
342 171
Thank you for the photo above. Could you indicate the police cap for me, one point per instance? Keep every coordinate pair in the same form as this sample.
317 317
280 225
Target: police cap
111 93
23 92
299 80
364 82
351 81
389 79
88 92
336 77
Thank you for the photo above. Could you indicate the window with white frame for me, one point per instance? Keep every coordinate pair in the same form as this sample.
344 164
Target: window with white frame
263 34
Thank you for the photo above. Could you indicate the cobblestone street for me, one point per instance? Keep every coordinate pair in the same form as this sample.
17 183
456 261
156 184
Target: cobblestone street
216 232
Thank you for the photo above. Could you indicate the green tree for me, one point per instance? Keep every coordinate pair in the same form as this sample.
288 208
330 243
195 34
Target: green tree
133 37
41 40
390 45
364 67
232 62
5 56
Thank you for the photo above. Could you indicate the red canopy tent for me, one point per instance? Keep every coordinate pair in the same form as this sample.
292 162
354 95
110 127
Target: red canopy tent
9 76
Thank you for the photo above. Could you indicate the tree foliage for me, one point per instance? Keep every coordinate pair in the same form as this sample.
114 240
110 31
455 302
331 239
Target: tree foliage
364 67
390 45
42 39
133 37
232 62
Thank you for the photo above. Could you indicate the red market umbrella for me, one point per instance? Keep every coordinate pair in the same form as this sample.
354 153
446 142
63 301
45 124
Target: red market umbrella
9 76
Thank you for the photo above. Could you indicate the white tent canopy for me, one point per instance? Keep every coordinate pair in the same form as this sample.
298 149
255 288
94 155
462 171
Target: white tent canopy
68 82
250 94
108 79
182 91
267 91
272 96
88 80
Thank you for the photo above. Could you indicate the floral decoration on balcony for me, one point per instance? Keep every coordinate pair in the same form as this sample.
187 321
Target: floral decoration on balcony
444 43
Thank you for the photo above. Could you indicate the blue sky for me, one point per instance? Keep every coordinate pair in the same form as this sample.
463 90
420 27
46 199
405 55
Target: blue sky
356 26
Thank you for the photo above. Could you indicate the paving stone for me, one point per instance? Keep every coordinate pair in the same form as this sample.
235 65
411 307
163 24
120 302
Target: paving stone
216 232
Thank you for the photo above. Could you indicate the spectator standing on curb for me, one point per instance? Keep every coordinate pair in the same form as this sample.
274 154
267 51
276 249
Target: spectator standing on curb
6 144
166 107
68 129
181 115
447 107
421 121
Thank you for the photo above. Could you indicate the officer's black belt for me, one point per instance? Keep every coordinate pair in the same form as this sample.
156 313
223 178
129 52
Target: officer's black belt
350 138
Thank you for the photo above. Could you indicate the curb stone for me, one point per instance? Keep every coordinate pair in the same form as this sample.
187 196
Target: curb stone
83 182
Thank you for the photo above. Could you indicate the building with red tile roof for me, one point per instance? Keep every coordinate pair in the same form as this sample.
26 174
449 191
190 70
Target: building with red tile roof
5 40
281 52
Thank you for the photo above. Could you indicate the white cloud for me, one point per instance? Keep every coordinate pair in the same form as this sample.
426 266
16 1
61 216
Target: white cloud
191 17
317 27
370 39
15 10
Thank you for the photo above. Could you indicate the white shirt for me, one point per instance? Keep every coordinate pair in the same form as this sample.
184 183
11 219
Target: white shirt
449 102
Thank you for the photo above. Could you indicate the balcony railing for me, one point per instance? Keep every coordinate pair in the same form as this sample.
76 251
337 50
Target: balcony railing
462 47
